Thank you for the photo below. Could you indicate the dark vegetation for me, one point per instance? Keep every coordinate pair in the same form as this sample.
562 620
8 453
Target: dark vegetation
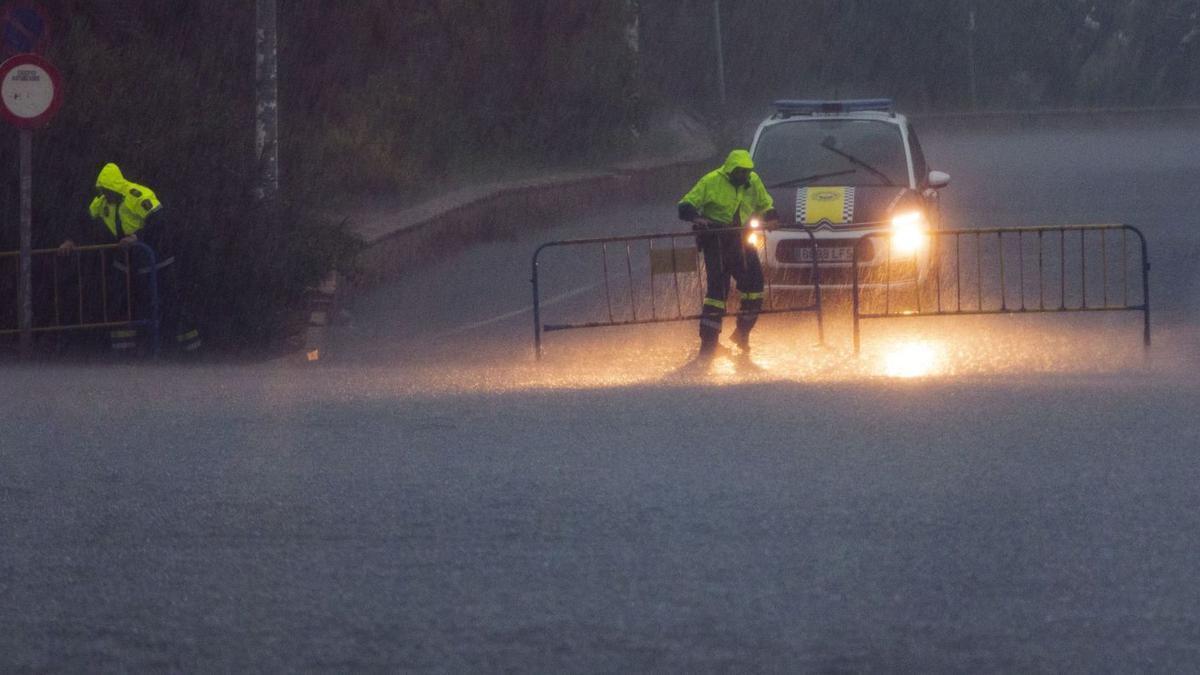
1028 53
404 96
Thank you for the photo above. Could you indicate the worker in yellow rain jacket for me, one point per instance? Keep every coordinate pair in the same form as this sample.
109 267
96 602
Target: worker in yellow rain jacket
132 213
729 198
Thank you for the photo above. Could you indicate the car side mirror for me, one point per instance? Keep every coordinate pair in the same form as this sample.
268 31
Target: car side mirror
938 179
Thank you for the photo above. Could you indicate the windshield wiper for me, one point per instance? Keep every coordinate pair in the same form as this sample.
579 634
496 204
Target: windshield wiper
816 176
854 160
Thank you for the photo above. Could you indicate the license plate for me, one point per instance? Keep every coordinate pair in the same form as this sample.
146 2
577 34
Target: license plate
828 254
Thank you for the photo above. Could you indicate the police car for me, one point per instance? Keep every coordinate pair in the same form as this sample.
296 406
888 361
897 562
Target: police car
842 169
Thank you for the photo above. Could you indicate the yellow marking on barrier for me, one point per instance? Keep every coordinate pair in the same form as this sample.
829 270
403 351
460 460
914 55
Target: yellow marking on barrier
672 260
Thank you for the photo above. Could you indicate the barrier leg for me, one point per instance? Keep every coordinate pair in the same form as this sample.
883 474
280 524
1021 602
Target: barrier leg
854 296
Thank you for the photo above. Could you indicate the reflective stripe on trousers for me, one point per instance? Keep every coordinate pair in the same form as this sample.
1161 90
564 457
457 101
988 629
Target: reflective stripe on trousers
123 339
189 341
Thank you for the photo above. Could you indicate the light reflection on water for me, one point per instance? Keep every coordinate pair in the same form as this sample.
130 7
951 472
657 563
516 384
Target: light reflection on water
913 350
911 359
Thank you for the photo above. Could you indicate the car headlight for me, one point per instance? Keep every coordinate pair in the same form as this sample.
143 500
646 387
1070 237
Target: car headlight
908 232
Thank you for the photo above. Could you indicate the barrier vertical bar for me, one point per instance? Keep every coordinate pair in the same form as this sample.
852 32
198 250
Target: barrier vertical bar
537 314
958 270
675 274
1104 264
604 265
887 288
917 275
978 271
816 279
1125 267
1041 275
1145 286
1083 265
653 301
629 269
79 285
1021 263
762 263
54 273
854 292
936 253
1062 268
1003 284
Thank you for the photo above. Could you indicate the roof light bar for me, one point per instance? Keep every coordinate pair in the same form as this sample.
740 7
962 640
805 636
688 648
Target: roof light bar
798 107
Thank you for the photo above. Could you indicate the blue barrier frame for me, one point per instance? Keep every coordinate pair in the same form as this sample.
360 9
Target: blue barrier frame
152 323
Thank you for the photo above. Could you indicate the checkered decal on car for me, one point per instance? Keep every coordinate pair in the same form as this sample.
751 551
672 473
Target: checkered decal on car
832 206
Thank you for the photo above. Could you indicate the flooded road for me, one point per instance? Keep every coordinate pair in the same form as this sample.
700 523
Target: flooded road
993 493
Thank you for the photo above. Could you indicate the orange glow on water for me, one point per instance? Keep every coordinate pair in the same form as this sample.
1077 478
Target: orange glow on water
911 360
787 350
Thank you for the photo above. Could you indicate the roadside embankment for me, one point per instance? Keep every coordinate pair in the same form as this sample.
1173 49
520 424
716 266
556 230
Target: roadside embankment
399 239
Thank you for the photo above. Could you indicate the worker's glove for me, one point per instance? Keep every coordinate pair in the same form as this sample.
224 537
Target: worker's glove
127 241
701 224
66 248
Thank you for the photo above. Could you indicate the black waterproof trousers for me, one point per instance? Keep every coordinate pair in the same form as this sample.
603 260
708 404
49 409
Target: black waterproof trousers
727 256
177 330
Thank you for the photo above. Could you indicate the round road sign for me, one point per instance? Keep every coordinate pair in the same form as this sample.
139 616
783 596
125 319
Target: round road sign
30 91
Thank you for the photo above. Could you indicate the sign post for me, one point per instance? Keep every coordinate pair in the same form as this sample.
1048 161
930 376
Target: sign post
30 95
25 285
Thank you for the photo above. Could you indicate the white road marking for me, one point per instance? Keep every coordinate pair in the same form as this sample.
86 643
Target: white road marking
525 310
639 269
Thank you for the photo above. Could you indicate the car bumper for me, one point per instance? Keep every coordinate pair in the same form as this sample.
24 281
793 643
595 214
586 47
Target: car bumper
788 262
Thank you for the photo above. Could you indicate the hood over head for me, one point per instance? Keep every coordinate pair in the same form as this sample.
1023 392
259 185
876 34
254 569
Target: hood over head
738 159
110 178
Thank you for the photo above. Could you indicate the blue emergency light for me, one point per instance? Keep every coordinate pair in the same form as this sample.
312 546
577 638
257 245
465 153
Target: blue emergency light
789 107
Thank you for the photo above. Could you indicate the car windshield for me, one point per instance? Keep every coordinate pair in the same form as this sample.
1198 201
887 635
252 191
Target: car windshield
831 152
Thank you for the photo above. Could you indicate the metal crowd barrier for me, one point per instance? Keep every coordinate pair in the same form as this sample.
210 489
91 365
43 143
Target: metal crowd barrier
666 299
71 294
1011 270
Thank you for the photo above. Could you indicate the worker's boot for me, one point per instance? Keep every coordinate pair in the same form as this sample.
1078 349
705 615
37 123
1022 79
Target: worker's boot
187 341
741 339
710 329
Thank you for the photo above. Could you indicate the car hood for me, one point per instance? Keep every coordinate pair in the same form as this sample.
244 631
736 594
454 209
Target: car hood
841 208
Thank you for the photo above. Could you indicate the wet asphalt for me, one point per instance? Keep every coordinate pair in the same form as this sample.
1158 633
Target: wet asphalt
430 500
